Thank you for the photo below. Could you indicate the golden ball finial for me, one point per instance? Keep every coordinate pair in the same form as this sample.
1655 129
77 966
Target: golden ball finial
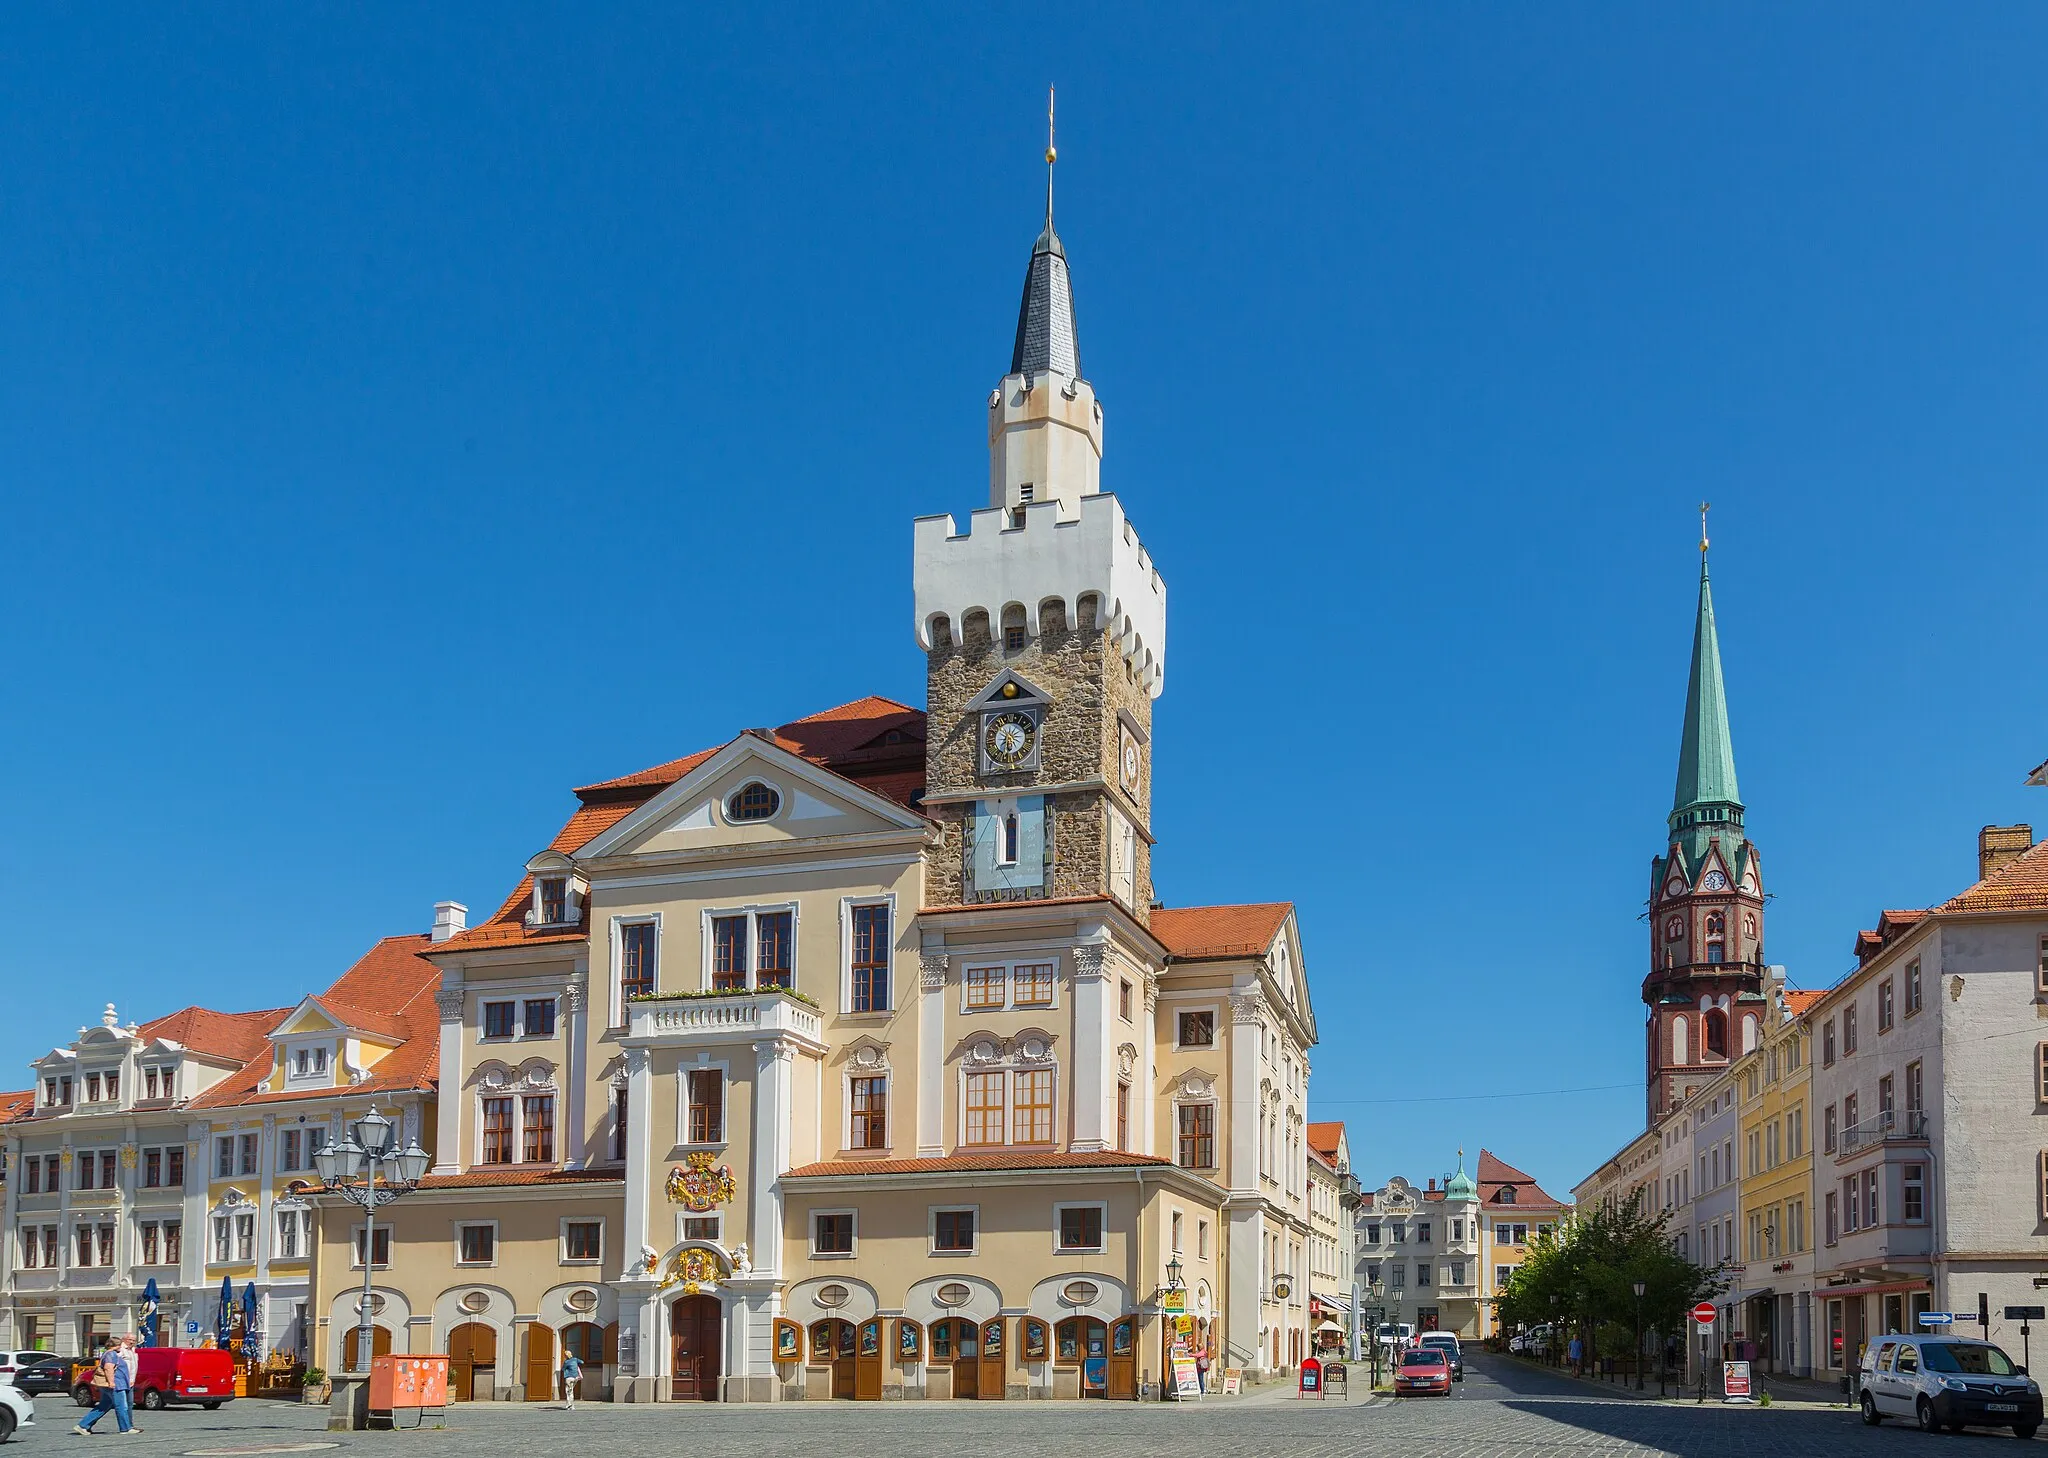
1051 156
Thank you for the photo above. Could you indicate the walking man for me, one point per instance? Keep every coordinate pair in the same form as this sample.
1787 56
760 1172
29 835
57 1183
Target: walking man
1574 1351
572 1373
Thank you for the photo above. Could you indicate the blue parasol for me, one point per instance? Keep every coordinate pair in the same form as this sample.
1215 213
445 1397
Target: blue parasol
149 1313
222 1335
250 1329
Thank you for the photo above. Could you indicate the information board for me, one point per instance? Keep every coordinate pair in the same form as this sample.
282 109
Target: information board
1187 1382
1735 1381
1233 1381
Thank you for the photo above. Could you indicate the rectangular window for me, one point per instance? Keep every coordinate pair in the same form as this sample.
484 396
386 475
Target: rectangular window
92 1088
248 1154
108 1177
288 1235
953 1230
1123 1000
1849 1029
1178 1223
1197 1141
85 1243
636 959
1197 1029
987 986
832 1233
381 1251
984 1111
224 1157
477 1244
148 1232
498 1017
703 1227
32 1175
870 959
1870 1207
288 1142
1795 1131
582 1240
1884 1100
1034 984
1123 1116
870 1112
540 1017
2041 977
728 952
2042 1184
1831 1226
1827 1130
1884 1006
1080 1227
1201 1240
620 1098
174 1243
1827 1044
1852 1204
1422 1273
497 1131
1849 1112
1031 1116
245 1238
1912 987
774 948
537 1117
705 1095
1913 1194
554 900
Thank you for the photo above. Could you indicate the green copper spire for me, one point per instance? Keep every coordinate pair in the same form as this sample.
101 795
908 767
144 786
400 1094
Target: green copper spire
1706 800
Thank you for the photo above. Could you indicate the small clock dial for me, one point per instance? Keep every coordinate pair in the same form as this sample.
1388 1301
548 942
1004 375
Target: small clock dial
1008 739
1714 881
1131 764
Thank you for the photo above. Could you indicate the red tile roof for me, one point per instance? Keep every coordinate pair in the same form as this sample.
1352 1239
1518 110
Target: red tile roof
1219 931
1799 1002
240 1036
391 975
1496 1175
479 1179
14 1105
2021 884
1324 1138
995 1159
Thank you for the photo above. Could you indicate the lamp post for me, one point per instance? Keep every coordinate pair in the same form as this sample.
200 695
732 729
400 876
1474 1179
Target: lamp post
1639 1289
365 1169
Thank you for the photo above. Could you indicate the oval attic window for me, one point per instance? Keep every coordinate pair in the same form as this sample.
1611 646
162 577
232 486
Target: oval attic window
1081 1293
753 801
831 1297
953 1293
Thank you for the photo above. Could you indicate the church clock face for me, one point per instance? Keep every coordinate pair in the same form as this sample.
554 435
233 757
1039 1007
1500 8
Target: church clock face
1130 762
1714 881
1009 739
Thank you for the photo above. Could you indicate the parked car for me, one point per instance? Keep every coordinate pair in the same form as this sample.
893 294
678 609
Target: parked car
1447 1343
1948 1382
47 1373
11 1361
1398 1335
1423 1370
17 1410
164 1375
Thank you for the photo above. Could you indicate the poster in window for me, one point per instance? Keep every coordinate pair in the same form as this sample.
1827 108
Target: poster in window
871 1338
1034 1340
787 1338
909 1341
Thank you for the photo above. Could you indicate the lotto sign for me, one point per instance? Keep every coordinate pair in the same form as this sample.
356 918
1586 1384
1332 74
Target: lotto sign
1735 1381
1704 1313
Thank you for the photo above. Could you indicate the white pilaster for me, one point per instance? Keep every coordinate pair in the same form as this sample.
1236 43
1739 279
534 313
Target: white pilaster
576 1150
450 1001
639 1155
931 1053
774 1062
1148 1134
1247 1026
266 1164
1094 1071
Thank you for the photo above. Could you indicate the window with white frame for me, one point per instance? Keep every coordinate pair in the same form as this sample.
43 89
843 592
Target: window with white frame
704 1106
995 985
476 1243
750 948
307 1063
381 1251
582 1242
500 1018
953 1229
701 1227
833 1233
1195 1028
869 941
516 1129
294 1230
636 959
1079 1227
297 1146
867 1105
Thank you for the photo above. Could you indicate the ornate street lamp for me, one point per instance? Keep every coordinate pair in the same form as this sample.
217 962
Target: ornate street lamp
1173 1270
1640 1287
365 1170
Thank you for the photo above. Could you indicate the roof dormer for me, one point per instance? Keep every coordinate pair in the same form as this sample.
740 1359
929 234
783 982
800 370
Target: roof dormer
558 891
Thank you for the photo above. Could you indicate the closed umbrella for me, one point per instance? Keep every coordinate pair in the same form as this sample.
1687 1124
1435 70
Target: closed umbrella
222 1319
149 1313
251 1330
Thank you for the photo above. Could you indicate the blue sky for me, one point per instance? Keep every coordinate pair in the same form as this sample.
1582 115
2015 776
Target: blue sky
406 416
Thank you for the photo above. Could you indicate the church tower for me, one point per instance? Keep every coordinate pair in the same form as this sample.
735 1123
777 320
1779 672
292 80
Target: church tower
1705 985
1044 629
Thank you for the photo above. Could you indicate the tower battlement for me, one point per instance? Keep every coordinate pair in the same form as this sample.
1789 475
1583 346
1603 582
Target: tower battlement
996 565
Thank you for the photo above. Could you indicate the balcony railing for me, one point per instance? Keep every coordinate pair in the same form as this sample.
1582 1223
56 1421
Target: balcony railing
710 1019
1880 1127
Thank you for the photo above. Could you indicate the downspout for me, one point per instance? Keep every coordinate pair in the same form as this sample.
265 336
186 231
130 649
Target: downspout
1137 1276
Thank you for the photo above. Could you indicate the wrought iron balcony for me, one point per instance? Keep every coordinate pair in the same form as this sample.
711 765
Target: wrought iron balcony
1879 1128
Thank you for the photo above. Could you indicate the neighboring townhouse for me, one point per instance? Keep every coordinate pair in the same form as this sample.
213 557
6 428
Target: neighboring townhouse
857 1057
104 1190
1423 1247
1332 1197
1774 1297
1930 1076
1513 1210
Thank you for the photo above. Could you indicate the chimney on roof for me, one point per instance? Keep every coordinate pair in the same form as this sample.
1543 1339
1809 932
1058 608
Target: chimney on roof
450 917
1999 845
1432 1185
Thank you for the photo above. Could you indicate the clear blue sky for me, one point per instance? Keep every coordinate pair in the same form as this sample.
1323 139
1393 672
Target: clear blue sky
406 416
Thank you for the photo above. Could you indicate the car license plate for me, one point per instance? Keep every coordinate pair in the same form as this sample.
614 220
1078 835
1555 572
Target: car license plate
2001 1407
195 1389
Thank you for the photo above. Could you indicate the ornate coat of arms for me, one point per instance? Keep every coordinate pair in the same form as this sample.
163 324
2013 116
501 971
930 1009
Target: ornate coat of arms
698 1184
694 1269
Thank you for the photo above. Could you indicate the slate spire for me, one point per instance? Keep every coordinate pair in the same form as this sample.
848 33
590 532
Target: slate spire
1046 342
1706 751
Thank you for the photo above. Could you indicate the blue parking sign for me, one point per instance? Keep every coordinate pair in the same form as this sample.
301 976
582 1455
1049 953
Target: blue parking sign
191 1328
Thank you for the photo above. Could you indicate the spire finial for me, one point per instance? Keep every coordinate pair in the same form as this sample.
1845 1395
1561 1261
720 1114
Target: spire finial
1051 156
1705 507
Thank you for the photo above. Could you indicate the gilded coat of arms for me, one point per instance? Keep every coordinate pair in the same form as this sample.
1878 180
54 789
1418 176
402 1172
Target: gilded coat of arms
698 1184
694 1269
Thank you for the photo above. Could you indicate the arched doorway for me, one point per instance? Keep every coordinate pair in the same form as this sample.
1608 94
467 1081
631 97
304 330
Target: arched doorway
585 1341
832 1346
472 1363
697 1348
956 1343
1082 1341
352 1346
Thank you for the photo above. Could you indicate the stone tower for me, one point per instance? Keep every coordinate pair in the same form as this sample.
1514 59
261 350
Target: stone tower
1044 626
1705 985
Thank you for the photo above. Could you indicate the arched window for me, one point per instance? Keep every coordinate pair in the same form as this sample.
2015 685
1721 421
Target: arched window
1717 1033
1009 857
1681 1040
753 801
1717 924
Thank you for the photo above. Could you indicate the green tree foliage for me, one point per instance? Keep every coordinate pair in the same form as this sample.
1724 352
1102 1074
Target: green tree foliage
1582 1276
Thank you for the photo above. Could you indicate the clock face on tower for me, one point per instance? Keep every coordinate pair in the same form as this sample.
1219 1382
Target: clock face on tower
1130 762
1714 881
1009 739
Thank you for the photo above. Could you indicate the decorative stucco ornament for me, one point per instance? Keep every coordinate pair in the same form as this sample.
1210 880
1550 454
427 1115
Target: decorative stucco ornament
699 1184
693 1269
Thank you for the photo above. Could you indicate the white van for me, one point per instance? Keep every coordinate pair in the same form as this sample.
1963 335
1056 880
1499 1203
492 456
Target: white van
1399 1336
1948 1382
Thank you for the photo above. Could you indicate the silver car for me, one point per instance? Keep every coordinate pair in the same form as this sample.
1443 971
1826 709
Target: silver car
1948 1382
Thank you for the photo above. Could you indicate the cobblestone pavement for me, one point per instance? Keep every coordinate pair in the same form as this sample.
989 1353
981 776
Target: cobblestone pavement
1502 1410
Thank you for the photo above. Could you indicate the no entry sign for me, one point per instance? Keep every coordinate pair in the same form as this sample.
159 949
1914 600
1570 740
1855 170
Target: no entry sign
1704 1313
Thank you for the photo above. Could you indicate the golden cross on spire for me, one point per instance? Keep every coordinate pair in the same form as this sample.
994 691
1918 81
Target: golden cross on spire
1705 507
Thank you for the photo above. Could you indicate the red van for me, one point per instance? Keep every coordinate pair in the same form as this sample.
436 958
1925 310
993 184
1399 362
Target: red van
164 1375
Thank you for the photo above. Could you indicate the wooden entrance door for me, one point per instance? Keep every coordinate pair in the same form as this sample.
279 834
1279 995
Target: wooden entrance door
832 1346
352 1341
696 1329
540 1362
957 1343
586 1340
1123 1359
472 1363
992 1382
867 1361
1082 1341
